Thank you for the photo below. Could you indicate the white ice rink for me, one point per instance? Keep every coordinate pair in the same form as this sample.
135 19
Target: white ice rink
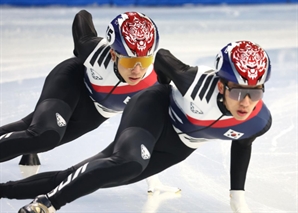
34 40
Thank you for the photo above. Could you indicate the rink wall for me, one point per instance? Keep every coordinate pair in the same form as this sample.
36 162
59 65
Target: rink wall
134 2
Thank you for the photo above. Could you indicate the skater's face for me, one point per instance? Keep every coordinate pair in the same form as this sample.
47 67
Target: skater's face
132 69
240 100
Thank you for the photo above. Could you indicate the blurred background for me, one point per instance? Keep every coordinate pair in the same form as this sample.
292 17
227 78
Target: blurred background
36 35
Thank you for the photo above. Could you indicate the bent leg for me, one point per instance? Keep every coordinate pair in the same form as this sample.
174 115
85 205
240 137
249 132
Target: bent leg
34 185
114 166
60 95
141 126
22 124
134 142
44 182
168 151
44 133
130 157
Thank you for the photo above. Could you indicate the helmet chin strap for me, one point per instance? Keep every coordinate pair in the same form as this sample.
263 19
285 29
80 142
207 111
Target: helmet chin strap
116 71
220 103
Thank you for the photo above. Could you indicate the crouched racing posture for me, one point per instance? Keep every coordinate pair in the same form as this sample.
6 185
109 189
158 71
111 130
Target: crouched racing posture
82 92
198 105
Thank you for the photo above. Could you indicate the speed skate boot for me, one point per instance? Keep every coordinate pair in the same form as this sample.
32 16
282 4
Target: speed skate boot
41 204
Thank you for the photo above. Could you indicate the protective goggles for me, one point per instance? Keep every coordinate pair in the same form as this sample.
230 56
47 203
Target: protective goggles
131 62
239 94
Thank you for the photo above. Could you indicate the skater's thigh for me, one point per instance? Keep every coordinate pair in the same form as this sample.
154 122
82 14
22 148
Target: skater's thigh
147 110
85 118
64 82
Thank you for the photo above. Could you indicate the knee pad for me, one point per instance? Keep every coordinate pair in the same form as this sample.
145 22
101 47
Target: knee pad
50 115
134 144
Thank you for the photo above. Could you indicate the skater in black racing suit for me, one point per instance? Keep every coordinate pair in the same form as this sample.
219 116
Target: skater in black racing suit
162 125
82 92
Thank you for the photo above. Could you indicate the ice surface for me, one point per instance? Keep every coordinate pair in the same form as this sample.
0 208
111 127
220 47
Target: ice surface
34 40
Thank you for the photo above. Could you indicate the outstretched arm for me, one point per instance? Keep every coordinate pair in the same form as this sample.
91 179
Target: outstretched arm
240 157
